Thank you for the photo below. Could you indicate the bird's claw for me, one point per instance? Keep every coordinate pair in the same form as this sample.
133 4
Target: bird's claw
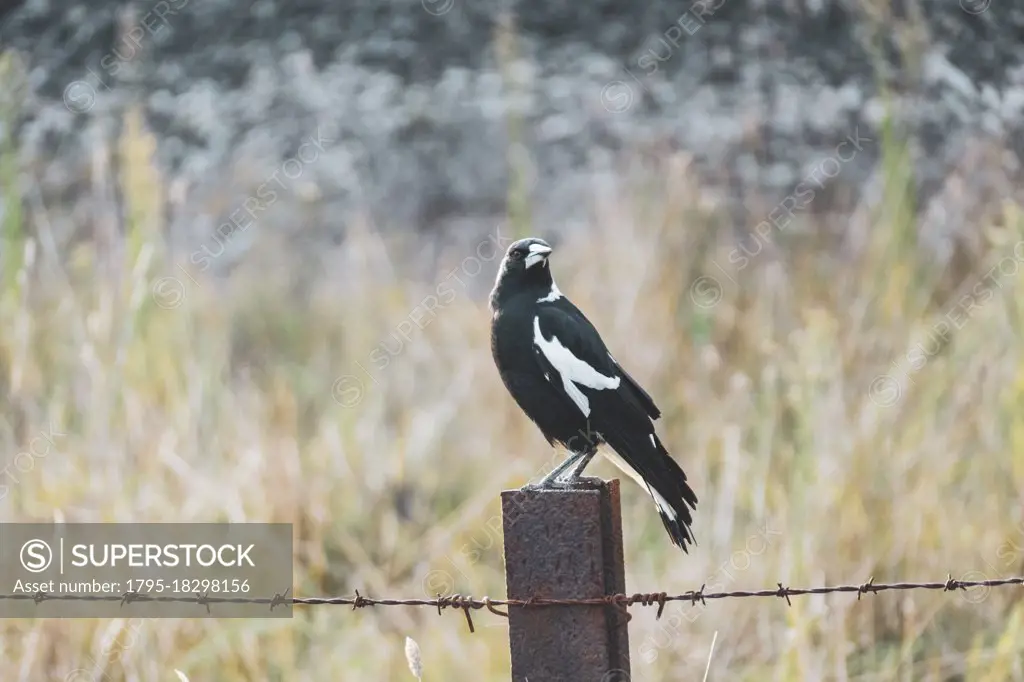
575 483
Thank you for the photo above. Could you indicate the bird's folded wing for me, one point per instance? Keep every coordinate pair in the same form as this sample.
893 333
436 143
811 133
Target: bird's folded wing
586 359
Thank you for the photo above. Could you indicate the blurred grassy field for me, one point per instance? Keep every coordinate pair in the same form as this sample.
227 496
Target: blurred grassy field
839 418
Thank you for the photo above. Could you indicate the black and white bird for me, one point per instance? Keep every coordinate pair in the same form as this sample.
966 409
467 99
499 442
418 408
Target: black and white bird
557 368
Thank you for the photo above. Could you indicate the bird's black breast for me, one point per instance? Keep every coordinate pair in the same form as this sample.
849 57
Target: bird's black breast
513 349
515 357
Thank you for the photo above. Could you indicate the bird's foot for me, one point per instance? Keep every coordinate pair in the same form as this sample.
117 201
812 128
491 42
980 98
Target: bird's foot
548 484
568 483
583 483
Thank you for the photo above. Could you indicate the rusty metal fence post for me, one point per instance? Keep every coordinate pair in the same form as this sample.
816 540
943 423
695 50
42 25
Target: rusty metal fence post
566 544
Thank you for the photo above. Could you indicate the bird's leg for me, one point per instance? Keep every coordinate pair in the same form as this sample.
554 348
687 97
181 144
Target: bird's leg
555 477
591 439
577 469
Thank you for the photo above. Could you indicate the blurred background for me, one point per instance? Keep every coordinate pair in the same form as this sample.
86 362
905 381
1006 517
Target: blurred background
244 263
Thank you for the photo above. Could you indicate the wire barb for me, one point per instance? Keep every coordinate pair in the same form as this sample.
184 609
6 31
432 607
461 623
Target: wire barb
280 599
952 584
203 600
866 587
662 600
459 602
659 598
490 607
698 596
621 603
360 601
129 597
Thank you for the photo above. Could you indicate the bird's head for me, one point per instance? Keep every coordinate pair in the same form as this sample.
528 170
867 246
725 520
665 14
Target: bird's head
523 269
525 254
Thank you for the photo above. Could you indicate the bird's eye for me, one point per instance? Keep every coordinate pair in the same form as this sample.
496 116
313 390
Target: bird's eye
517 255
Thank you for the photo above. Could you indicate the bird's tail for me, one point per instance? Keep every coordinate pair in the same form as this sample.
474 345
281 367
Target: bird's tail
646 461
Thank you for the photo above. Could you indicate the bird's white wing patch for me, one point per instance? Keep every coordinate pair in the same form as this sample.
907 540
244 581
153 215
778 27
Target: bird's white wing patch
663 505
552 296
572 370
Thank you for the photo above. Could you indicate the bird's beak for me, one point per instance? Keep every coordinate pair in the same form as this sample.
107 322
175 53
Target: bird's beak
538 253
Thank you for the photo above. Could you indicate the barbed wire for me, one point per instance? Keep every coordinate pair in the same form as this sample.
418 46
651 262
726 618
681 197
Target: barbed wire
468 603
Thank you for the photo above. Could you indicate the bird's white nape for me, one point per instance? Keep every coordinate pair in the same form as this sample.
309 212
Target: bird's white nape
571 369
552 296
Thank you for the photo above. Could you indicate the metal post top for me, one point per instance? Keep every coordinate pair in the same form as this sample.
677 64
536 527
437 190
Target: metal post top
585 484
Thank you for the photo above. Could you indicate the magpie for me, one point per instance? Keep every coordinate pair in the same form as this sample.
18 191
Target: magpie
558 370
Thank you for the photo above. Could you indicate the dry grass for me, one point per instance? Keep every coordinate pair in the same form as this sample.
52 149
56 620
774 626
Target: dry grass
219 401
